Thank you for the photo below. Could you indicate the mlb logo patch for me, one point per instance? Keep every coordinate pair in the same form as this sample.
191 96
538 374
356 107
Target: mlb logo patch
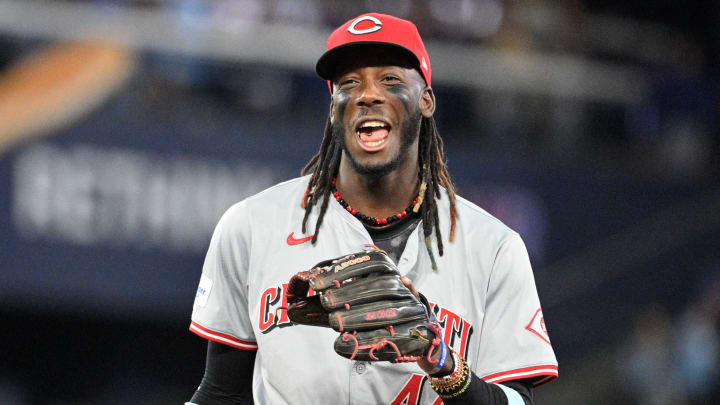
203 291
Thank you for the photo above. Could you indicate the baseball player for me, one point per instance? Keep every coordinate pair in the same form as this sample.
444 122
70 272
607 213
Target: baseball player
464 323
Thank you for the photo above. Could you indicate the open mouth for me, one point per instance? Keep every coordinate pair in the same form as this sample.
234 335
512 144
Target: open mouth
372 134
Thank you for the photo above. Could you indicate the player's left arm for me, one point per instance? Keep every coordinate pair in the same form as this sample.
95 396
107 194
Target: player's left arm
513 392
516 392
515 342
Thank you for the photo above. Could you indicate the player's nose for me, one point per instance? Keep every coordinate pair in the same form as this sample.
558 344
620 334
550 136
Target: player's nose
370 94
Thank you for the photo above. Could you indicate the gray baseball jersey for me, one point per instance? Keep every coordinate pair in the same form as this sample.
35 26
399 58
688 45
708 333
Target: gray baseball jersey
483 294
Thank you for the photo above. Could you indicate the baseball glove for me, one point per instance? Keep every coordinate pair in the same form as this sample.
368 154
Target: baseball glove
362 296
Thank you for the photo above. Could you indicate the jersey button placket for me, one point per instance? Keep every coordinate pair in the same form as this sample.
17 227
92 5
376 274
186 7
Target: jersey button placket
360 381
359 367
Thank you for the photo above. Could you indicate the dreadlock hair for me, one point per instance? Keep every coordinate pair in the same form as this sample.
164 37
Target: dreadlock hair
433 174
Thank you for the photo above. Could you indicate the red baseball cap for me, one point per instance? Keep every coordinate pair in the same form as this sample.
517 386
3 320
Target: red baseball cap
375 29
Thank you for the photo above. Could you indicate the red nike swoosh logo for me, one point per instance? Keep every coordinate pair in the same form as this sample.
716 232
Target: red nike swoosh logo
293 241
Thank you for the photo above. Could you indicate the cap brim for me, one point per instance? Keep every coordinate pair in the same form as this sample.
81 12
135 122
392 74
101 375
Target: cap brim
329 62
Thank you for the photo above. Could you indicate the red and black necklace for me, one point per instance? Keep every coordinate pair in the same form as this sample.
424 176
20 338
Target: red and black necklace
372 220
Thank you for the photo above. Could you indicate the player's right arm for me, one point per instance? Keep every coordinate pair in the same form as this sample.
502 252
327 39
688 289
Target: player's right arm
228 377
220 313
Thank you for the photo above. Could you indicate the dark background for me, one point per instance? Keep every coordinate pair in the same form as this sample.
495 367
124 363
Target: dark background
589 127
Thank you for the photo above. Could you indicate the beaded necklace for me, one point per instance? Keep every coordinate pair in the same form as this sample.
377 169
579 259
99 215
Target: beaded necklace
372 221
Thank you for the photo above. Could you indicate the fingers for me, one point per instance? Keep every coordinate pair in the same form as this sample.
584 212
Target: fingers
409 286
353 266
308 311
404 342
377 315
365 290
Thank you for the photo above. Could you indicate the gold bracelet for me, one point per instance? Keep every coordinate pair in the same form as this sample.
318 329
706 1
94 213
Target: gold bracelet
465 387
457 376
452 386
455 380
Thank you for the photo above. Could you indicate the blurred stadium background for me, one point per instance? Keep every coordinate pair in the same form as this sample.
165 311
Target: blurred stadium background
128 126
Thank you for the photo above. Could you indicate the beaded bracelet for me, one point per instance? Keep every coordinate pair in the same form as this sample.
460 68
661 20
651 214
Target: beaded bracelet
452 385
458 378
455 394
440 381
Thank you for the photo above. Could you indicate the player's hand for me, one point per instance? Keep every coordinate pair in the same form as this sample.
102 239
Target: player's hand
424 363
362 296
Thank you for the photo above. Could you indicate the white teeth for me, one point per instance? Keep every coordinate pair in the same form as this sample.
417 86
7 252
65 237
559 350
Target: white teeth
373 124
376 143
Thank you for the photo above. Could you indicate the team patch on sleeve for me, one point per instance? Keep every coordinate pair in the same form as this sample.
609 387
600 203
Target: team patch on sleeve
537 326
203 291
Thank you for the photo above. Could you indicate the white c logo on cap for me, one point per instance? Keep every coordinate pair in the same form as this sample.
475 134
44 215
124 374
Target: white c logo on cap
376 27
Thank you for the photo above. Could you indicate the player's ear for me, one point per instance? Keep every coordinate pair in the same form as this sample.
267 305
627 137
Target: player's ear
427 102
332 111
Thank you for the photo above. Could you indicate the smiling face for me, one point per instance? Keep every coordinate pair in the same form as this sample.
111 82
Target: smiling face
377 104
